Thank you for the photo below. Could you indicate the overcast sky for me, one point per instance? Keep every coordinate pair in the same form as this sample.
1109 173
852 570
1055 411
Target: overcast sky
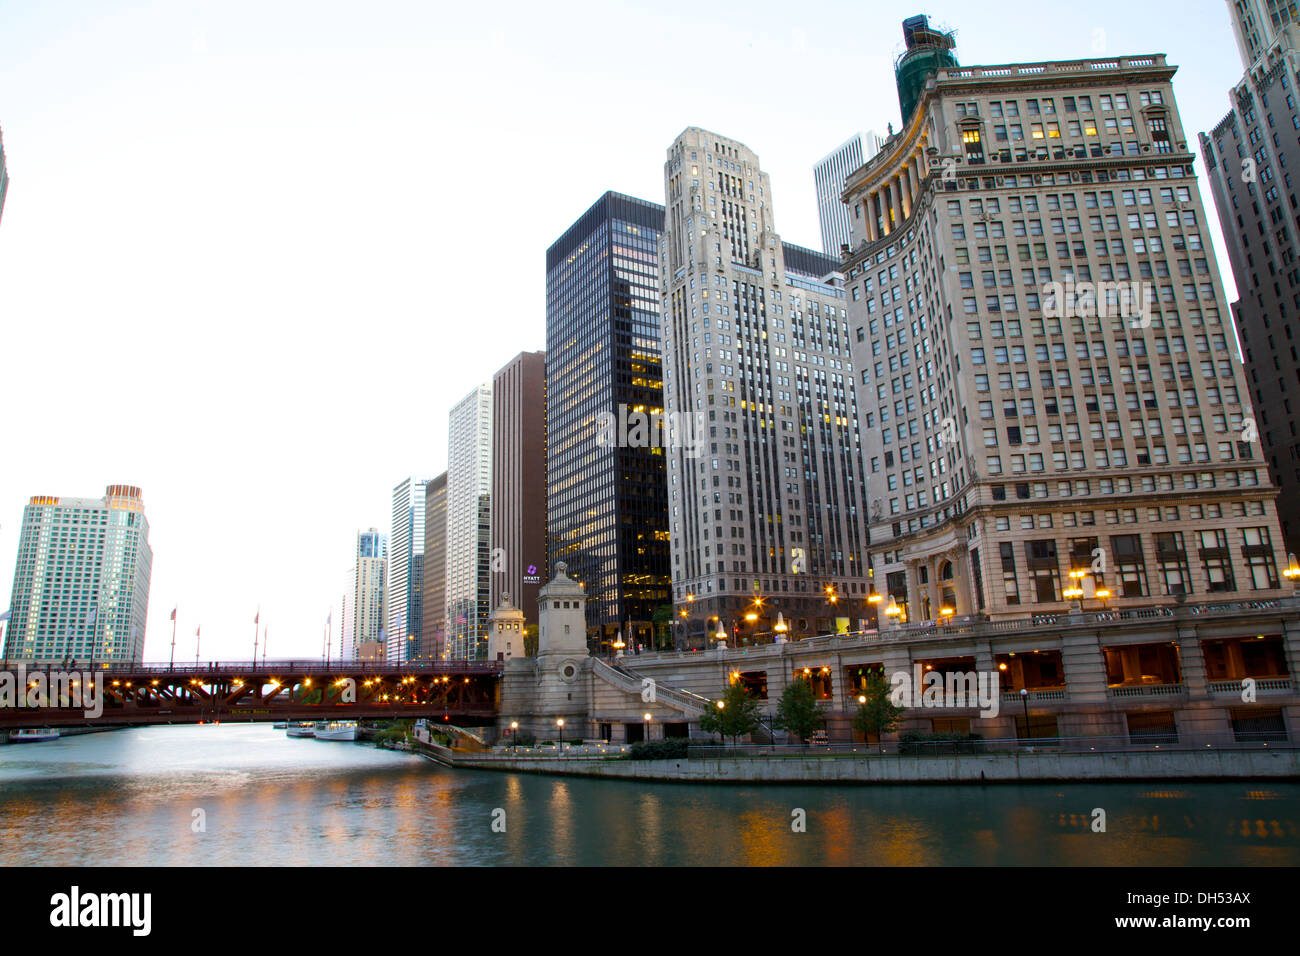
253 252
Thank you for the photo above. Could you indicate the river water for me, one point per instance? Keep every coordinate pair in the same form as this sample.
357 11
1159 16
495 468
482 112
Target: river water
130 798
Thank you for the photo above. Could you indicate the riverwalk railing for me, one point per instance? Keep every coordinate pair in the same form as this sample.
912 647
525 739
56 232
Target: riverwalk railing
1153 742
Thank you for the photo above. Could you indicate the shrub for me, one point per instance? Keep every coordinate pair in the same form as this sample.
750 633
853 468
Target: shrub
667 749
915 743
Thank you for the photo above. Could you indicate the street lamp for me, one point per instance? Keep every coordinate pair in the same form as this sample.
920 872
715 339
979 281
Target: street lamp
894 611
647 728
720 635
780 628
514 736
1024 699
1292 571
559 722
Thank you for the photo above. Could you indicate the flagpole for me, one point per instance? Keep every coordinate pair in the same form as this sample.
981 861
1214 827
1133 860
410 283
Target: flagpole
266 639
172 662
196 645
256 619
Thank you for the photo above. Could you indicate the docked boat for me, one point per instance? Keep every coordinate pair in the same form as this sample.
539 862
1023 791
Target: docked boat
301 728
33 736
280 725
336 730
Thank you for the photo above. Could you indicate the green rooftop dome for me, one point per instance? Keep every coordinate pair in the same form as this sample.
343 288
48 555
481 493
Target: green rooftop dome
929 49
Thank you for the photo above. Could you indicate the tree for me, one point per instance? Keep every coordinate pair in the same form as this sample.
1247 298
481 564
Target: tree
735 715
877 714
796 712
662 626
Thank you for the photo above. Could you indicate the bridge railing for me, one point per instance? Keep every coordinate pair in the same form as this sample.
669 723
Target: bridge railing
267 667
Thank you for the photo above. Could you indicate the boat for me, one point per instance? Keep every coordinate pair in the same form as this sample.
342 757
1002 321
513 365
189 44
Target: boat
336 730
280 725
33 736
301 728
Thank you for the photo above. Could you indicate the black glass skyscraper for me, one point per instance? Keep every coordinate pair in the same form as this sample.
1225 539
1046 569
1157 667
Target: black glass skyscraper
607 504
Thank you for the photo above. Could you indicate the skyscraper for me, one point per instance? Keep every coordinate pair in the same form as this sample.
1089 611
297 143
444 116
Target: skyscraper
829 174
607 511
4 176
1052 407
1250 156
469 522
519 482
434 630
363 605
406 570
81 584
768 511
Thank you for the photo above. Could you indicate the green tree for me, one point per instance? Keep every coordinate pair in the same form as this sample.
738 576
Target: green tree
663 624
876 714
735 715
796 712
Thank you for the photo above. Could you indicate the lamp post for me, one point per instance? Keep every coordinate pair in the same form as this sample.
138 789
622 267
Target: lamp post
1024 699
781 627
514 736
559 722
647 728
894 612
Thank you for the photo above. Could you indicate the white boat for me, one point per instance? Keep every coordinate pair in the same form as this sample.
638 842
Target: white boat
280 725
302 728
33 736
336 730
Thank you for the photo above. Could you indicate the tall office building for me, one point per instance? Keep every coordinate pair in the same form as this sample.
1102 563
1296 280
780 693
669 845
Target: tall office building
829 174
4 176
1250 157
81 585
607 510
469 521
406 571
434 636
1045 354
363 601
519 482
768 513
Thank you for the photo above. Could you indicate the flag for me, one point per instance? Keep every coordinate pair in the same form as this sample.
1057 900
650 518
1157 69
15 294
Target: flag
90 618
5 616
174 610
196 632
257 618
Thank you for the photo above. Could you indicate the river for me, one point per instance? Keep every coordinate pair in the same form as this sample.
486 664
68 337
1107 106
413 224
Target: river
130 798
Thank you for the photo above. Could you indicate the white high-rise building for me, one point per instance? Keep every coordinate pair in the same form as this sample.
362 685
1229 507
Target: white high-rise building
363 604
405 569
1258 24
469 515
767 504
829 174
81 584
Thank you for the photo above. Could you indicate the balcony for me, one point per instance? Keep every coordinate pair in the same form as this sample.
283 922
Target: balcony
1263 685
1035 696
1147 690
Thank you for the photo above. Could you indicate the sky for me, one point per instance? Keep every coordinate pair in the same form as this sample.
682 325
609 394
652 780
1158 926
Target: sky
254 252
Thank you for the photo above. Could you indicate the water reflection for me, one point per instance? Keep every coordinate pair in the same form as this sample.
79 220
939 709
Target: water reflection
130 797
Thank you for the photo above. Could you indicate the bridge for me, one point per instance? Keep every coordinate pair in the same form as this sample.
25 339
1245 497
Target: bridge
135 694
